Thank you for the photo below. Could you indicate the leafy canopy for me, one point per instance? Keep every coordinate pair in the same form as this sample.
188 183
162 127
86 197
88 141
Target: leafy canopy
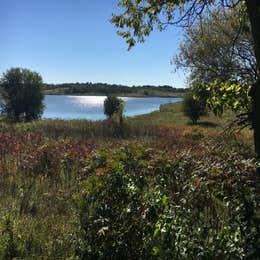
218 53
139 17
219 46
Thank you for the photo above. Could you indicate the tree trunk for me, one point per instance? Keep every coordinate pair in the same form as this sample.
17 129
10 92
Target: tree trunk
253 9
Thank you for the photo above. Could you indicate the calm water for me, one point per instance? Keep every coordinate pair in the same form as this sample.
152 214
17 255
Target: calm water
91 107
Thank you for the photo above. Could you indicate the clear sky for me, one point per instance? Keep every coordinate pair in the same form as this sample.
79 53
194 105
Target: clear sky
73 41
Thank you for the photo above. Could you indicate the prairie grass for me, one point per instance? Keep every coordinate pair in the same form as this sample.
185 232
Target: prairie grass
164 190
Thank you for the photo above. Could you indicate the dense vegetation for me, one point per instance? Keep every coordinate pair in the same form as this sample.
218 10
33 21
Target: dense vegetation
70 189
153 186
112 89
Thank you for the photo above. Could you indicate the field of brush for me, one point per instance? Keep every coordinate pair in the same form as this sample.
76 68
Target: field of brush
164 189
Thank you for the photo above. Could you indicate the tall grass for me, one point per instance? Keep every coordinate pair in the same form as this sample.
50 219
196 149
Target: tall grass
73 189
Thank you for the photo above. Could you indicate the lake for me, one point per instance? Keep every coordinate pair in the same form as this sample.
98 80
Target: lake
91 107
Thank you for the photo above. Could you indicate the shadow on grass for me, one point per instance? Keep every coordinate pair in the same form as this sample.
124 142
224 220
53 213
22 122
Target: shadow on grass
204 124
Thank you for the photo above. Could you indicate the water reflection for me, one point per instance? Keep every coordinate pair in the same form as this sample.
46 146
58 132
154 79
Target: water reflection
91 107
85 101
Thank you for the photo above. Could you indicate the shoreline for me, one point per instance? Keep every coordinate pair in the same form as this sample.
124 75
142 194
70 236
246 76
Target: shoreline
133 117
178 95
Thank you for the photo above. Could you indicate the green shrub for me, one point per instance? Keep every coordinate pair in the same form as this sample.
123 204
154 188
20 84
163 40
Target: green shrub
111 105
193 107
143 205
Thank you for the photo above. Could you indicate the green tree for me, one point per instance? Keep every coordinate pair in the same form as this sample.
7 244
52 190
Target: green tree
220 61
193 107
22 94
139 17
213 49
111 105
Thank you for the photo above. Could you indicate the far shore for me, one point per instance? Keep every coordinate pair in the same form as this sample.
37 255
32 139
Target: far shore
166 95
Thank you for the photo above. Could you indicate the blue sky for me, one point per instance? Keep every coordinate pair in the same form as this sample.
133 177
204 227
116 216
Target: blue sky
73 41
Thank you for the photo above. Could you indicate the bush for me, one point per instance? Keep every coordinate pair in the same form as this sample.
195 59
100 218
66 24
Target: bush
193 107
22 94
111 105
114 109
143 205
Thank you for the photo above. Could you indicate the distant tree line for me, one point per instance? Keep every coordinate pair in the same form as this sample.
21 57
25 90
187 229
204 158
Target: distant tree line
106 89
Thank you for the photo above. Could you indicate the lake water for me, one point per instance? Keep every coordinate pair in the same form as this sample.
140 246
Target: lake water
91 107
